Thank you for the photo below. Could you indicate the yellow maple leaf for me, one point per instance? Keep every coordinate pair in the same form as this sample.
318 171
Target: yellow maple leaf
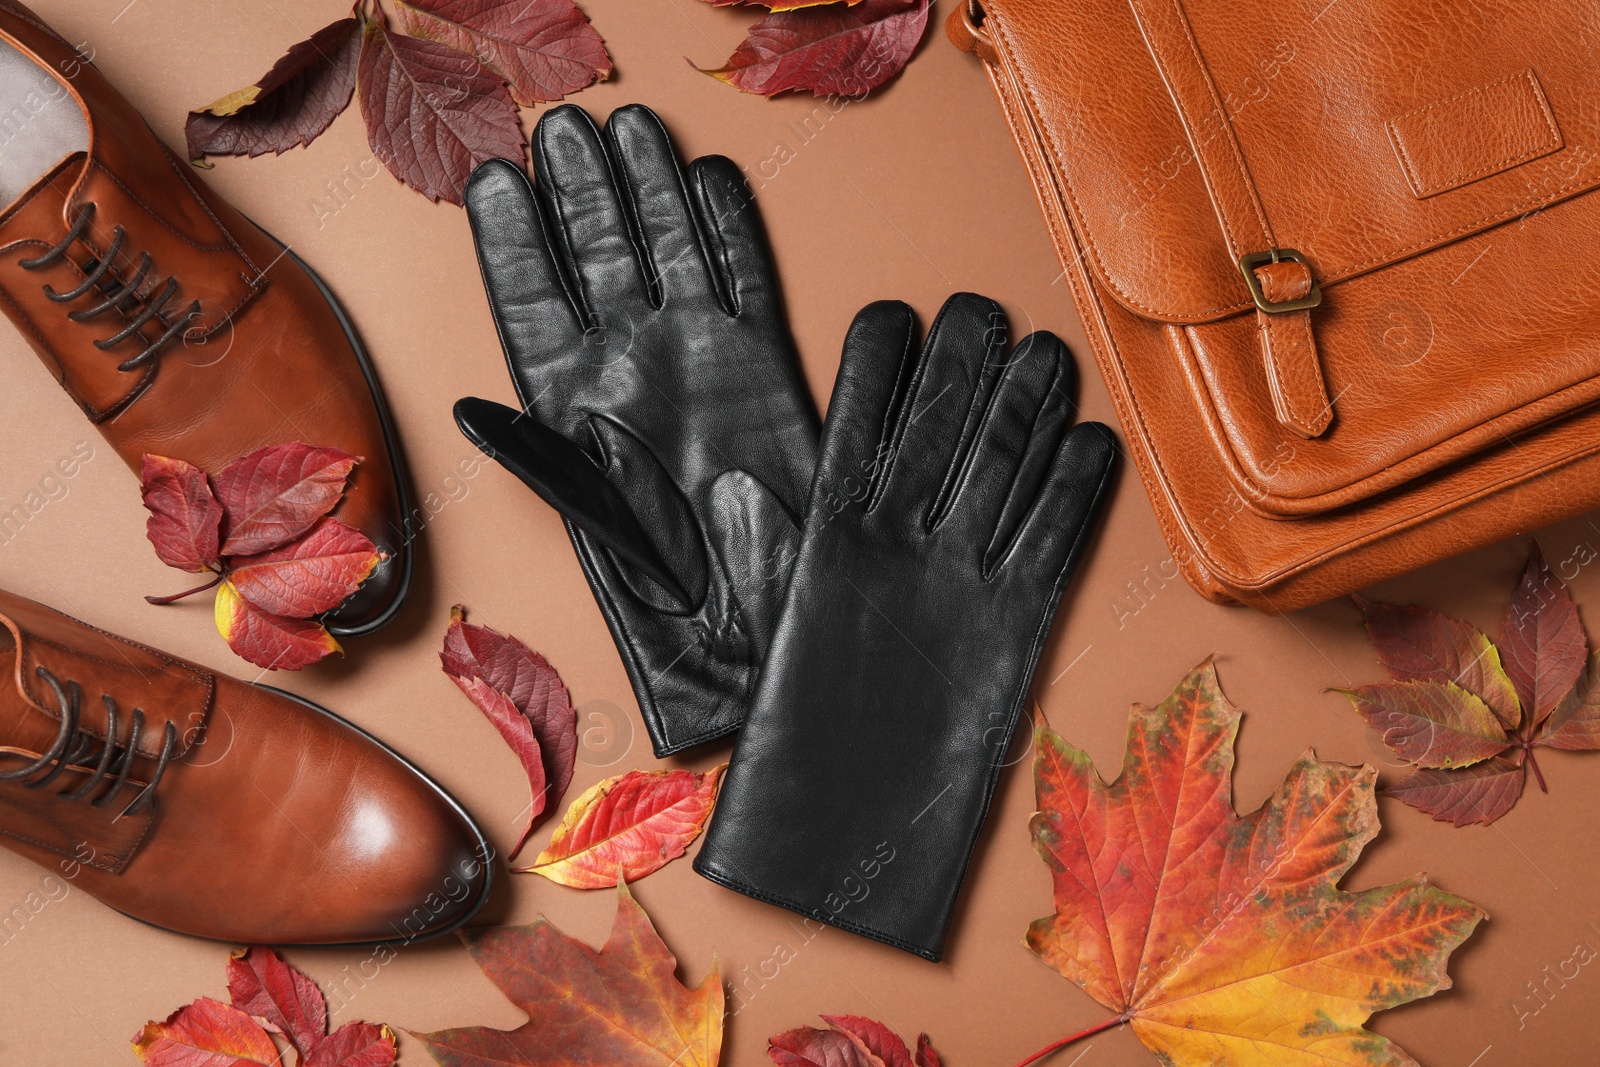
1220 938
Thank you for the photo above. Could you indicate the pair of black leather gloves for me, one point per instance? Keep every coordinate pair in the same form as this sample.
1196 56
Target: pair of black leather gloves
867 602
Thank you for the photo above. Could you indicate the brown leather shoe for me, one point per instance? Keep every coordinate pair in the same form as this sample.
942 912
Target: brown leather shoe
209 806
176 324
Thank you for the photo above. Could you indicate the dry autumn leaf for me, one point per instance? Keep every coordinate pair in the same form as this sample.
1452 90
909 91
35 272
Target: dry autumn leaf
310 575
269 998
850 1041
433 113
523 696
621 1006
1416 645
838 49
1431 724
1470 714
275 642
185 518
281 560
207 1033
543 49
634 824
354 1045
283 999
1542 643
290 106
1480 793
274 494
434 93
1220 938
1574 725
779 5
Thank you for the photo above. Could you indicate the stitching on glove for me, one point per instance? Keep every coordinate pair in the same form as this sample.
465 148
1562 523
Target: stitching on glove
889 436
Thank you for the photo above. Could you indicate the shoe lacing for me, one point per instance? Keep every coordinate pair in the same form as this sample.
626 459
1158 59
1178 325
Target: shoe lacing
74 748
116 297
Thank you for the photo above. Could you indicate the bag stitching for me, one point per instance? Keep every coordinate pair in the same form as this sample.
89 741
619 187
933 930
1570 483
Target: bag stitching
1414 176
1109 281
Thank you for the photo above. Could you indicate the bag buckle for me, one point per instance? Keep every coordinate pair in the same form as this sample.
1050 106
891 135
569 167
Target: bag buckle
1251 260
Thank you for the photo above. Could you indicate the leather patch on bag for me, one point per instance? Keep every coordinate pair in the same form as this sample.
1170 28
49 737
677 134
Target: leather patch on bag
1477 133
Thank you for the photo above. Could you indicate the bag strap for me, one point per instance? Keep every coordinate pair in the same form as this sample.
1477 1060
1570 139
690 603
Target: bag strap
1279 279
965 29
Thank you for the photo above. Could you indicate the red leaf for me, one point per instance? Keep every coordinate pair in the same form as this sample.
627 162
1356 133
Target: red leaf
635 823
271 641
206 1033
1575 724
874 1037
926 1057
184 515
1417 645
1431 724
837 49
1542 643
544 48
286 1001
354 1045
1477 794
525 678
778 5
518 733
297 99
809 1047
433 113
276 493
306 577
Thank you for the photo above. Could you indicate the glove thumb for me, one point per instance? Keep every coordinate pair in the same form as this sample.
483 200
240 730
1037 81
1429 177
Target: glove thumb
756 539
582 490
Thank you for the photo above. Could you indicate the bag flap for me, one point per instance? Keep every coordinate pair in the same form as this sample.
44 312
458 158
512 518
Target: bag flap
1366 131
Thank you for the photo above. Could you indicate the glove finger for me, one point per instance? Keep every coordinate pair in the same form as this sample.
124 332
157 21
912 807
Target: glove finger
877 362
526 291
740 258
574 176
756 539
961 360
1058 523
1030 409
643 158
569 480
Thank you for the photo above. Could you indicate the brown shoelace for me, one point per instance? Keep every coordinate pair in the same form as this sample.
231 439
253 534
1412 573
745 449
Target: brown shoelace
117 293
74 748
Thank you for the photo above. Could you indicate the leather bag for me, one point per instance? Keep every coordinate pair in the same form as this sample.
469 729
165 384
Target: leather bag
1337 262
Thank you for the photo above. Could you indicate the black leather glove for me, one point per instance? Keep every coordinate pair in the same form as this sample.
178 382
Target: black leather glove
949 504
663 411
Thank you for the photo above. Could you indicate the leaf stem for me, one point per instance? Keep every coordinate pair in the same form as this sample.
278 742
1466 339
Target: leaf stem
1537 773
187 592
1080 1035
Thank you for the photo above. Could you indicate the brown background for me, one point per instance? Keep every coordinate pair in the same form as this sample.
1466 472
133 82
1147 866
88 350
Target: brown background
913 193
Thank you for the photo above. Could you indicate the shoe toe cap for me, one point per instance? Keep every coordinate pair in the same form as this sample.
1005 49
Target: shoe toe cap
404 867
379 597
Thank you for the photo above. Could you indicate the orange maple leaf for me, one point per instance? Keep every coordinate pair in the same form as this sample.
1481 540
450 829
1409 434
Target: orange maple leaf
1221 938
621 1005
